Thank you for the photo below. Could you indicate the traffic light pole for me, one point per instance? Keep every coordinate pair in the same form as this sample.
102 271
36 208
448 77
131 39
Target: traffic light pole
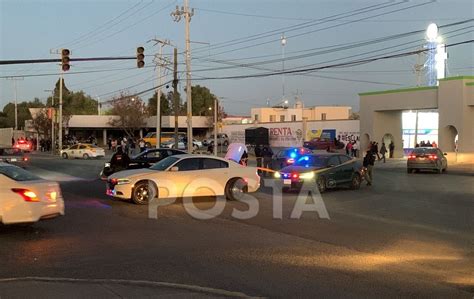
60 131
175 96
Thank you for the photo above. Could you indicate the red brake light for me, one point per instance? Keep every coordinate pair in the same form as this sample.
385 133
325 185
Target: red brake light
295 175
411 157
26 194
25 159
433 157
114 181
290 161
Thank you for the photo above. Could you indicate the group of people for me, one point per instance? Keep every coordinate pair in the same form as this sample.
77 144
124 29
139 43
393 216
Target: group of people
374 153
127 145
351 148
426 144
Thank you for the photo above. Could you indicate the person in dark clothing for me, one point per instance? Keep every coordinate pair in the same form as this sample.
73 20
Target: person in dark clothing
109 143
120 160
368 163
267 154
258 155
244 159
376 150
391 148
383 151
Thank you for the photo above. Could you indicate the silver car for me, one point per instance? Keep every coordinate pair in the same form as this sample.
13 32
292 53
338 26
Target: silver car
427 158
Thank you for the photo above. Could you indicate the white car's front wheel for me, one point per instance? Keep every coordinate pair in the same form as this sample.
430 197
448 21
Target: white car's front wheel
143 192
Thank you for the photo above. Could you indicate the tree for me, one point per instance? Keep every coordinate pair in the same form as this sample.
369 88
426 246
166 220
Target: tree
165 105
202 99
23 113
74 103
130 113
354 115
41 122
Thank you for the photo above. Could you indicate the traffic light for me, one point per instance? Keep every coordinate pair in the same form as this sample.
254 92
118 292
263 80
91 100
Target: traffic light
140 57
65 60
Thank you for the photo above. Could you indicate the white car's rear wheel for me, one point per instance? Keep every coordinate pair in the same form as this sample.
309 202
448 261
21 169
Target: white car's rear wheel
235 189
85 156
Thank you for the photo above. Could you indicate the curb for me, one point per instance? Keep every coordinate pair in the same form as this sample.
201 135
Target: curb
191 288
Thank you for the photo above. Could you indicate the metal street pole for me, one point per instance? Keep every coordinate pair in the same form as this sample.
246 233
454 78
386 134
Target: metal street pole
60 131
175 96
158 102
53 117
283 43
15 90
187 17
215 126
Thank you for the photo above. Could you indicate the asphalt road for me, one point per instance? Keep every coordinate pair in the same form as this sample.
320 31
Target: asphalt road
407 235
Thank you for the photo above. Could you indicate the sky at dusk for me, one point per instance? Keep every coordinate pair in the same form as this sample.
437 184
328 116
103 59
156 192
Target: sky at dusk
231 38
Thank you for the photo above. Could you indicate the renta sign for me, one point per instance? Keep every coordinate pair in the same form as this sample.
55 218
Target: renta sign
286 136
281 131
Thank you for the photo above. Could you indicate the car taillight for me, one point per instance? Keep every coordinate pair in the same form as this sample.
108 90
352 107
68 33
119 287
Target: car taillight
411 157
433 157
113 181
25 159
26 194
295 175
290 161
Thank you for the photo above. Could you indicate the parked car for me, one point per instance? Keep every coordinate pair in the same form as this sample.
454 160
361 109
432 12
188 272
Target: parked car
427 158
322 171
323 144
14 156
173 176
222 139
288 156
82 150
144 159
26 198
181 145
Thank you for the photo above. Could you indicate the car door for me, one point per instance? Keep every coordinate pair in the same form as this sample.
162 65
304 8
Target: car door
82 150
333 174
217 171
346 169
188 170
73 151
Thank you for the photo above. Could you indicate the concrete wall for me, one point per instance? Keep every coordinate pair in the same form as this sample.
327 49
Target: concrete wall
332 113
102 121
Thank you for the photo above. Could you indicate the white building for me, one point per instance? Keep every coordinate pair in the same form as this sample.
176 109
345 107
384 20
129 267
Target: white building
298 112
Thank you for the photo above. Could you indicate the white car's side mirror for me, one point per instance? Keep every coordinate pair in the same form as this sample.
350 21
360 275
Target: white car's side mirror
174 168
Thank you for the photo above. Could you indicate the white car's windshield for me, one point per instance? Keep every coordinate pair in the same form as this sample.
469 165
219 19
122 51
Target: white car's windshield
164 164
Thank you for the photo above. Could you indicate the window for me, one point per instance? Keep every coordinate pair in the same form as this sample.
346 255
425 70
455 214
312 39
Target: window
344 159
282 118
74 147
165 163
154 154
272 118
323 116
83 147
256 116
293 117
188 164
209 163
334 161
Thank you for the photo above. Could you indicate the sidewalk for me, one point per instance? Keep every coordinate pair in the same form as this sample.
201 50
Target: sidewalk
45 287
464 168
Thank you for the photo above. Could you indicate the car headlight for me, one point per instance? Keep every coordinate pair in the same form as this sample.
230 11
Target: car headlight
307 175
277 175
123 181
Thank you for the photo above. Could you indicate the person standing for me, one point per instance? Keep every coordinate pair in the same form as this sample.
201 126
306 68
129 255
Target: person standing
258 155
109 143
376 150
142 146
368 163
349 148
391 148
267 154
383 151
354 149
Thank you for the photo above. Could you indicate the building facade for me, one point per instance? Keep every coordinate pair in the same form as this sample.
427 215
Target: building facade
298 112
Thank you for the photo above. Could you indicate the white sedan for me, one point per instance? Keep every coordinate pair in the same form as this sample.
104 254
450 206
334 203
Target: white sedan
184 176
82 150
181 145
26 198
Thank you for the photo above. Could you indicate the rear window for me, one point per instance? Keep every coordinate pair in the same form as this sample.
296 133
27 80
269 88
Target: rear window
420 151
18 174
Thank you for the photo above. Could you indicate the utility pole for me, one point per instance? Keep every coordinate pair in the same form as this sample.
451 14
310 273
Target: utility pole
15 87
216 105
160 64
60 131
53 117
177 17
418 67
283 43
175 96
